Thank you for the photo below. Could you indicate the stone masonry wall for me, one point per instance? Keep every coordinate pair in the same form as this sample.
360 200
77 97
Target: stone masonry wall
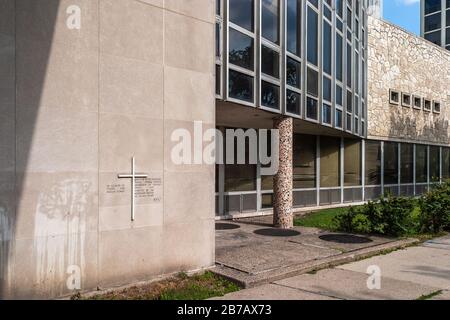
404 62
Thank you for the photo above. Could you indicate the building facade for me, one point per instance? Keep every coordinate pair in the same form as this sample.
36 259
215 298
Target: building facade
372 119
94 95
435 21
85 86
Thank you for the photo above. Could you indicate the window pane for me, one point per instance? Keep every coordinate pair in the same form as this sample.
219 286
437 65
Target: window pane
293 102
432 6
348 122
270 62
218 80
240 86
327 89
390 163
326 113
311 108
434 164
434 37
363 77
349 101
242 13
327 13
329 162
446 163
433 22
293 73
352 162
339 7
267 201
327 48
240 177
294 14
338 57
270 95
339 95
313 82
312 34
373 163
349 65
338 120
356 77
315 3
304 159
241 50
407 163
349 18
217 40
270 20
218 4
421 164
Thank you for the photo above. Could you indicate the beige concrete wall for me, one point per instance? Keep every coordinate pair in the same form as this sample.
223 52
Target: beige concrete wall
401 61
86 102
7 142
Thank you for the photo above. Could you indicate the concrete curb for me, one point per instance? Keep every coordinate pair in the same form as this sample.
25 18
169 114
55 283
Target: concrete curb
246 280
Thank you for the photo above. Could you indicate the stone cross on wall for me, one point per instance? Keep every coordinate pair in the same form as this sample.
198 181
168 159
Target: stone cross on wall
133 176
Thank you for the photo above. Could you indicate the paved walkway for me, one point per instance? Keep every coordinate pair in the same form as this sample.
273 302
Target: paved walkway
411 273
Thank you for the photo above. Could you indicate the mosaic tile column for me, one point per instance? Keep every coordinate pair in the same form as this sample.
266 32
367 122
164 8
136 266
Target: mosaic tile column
282 183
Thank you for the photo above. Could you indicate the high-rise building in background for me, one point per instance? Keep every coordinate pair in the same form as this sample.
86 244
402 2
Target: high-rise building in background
375 8
435 21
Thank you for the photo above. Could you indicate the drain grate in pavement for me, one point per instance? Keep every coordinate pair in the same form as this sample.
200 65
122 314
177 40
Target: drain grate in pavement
270 232
344 238
227 226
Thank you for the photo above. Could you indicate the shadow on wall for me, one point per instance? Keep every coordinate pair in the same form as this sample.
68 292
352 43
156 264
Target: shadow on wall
427 128
26 37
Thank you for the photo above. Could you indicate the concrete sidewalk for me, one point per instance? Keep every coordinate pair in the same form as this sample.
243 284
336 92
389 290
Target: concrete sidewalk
412 273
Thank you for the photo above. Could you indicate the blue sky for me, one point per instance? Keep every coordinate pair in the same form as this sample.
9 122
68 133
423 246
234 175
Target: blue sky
405 13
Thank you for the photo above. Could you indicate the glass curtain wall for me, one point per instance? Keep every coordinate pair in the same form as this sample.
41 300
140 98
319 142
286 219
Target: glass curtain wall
373 163
421 164
241 50
445 164
352 163
406 163
435 162
330 162
400 165
313 68
390 163
304 161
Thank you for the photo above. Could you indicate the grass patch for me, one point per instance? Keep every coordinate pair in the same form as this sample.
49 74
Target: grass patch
430 296
322 219
180 287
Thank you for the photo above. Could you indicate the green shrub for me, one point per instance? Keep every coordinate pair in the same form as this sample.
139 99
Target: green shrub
391 216
353 220
434 213
344 220
361 223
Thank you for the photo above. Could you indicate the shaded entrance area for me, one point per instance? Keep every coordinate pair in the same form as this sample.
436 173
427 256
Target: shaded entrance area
255 249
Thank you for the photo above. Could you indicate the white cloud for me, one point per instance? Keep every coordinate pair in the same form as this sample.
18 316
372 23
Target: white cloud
406 2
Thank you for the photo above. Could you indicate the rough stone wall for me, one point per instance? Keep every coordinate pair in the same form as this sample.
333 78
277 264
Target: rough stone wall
75 106
404 62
